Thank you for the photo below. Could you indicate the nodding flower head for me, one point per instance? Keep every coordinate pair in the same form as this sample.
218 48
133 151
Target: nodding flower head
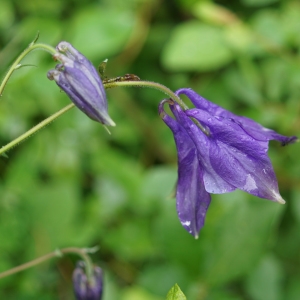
231 154
78 78
87 288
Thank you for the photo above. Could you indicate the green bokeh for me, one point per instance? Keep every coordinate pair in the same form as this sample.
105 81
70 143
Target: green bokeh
73 184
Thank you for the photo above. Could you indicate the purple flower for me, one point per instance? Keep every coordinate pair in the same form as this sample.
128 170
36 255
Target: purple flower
79 79
233 155
85 289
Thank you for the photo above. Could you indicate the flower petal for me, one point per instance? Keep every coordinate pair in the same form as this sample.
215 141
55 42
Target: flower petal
74 55
252 128
213 182
237 157
87 288
192 198
79 79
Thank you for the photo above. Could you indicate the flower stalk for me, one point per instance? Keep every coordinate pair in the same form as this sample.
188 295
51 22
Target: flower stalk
78 64
34 129
45 122
16 64
82 252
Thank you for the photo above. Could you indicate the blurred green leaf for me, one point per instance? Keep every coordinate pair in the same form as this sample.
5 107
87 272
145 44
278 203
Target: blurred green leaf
6 15
213 13
258 2
169 272
237 233
267 24
175 293
293 288
100 33
49 30
243 87
194 46
136 293
295 205
241 38
290 22
276 74
53 211
266 280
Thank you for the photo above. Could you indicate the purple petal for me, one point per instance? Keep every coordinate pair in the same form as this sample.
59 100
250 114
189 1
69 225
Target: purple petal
192 198
84 288
237 157
75 55
252 128
204 104
79 79
213 182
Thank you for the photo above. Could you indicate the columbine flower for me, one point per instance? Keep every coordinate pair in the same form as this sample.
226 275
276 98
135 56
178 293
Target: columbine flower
85 289
233 155
79 79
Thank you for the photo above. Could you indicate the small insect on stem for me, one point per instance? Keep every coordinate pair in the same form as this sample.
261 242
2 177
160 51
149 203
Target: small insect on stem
126 77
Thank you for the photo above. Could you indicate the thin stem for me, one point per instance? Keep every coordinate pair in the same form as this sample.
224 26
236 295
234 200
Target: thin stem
34 129
149 84
68 107
17 65
57 253
163 89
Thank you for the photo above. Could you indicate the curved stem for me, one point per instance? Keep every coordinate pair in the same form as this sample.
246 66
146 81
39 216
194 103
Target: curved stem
57 253
17 65
163 89
149 84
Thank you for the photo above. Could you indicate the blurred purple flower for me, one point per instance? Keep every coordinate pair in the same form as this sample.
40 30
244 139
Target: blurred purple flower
233 155
78 78
85 289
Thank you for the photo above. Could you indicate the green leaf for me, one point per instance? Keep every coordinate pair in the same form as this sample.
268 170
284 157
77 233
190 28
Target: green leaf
137 293
265 281
175 293
6 15
194 46
101 33
238 232
267 24
258 2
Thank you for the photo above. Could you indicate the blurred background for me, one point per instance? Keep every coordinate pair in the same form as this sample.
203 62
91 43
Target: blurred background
73 184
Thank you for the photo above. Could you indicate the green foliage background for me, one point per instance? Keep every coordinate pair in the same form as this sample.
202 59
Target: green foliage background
72 184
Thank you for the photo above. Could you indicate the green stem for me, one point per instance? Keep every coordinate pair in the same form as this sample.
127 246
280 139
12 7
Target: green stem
149 84
17 65
32 46
83 252
41 125
161 88
36 128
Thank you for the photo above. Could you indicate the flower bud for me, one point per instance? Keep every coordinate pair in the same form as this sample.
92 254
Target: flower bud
87 288
78 78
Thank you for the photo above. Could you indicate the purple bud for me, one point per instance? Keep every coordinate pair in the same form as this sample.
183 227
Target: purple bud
84 288
78 78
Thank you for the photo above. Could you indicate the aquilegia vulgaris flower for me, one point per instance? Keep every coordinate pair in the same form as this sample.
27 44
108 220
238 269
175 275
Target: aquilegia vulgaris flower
76 76
231 154
85 289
